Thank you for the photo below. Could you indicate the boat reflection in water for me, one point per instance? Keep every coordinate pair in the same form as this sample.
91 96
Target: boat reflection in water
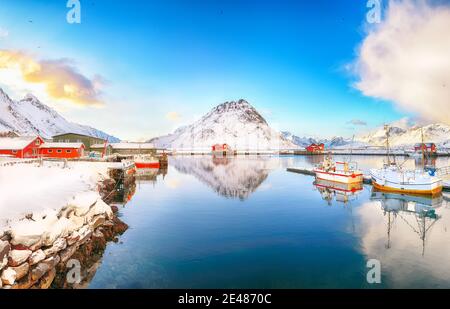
418 212
149 175
340 192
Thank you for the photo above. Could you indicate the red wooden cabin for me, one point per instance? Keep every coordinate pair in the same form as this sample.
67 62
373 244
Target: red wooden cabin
315 148
221 147
62 150
21 147
425 147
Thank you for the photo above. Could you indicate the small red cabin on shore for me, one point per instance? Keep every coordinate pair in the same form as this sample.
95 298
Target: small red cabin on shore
62 150
425 147
21 147
221 147
315 148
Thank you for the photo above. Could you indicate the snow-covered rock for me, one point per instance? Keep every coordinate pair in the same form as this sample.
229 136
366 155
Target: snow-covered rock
30 116
8 276
36 257
236 123
17 257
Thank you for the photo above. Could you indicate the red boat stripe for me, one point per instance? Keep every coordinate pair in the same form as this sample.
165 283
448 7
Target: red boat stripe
343 175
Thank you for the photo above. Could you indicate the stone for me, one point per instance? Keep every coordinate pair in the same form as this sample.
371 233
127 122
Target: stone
4 249
6 237
66 254
52 261
97 221
72 238
108 223
58 245
47 279
24 283
85 234
21 270
20 247
43 267
40 270
17 257
36 257
8 276
4 262
114 209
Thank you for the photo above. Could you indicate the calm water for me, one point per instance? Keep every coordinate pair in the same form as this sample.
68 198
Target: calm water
247 223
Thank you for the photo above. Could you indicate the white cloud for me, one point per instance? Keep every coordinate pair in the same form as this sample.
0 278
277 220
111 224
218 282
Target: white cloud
406 59
357 122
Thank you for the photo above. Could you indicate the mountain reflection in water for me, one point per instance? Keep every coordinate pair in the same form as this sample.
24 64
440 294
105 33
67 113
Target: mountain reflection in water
228 176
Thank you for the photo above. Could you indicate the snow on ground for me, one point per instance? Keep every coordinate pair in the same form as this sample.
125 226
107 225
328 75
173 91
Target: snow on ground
27 189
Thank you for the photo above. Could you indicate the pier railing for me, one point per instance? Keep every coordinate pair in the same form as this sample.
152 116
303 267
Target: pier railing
443 171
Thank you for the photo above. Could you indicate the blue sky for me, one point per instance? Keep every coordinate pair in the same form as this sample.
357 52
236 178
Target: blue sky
181 58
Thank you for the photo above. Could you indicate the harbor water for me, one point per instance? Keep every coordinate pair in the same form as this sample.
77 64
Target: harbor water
245 222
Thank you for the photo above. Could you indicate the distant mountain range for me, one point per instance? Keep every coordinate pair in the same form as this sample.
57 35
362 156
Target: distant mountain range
437 133
239 124
236 123
30 116
400 137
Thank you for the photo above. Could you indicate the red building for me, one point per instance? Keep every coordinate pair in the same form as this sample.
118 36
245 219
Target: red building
221 147
21 147
315 148
62 150
425 147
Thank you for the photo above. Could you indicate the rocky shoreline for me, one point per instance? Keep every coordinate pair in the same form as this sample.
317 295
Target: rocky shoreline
42 250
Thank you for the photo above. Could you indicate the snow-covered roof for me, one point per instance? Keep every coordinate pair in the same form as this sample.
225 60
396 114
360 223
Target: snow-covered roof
62 145
15 143
126 146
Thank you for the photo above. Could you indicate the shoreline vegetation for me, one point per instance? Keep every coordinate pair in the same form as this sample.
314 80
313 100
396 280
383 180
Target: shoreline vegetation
41 247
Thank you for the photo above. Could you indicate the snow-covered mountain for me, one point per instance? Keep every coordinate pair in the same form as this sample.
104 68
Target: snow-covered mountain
236 123
437 133
402 135
30 116
334 142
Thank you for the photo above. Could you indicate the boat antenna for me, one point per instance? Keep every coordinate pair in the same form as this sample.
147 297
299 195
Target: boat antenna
351 148
423 149
386 128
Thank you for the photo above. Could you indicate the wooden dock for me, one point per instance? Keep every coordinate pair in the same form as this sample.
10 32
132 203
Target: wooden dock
367 179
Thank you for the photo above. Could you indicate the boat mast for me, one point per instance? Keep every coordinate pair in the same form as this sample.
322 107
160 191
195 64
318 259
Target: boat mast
351 148
386 128
422 147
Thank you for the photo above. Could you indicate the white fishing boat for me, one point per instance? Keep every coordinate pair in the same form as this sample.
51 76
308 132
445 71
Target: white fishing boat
393 178
343 172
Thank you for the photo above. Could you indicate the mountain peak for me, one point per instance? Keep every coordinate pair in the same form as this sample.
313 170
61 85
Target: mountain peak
30 116
30 97
236 123
241 109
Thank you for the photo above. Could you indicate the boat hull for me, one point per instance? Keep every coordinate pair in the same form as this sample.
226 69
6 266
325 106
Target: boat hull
407 189
147 164
339 177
